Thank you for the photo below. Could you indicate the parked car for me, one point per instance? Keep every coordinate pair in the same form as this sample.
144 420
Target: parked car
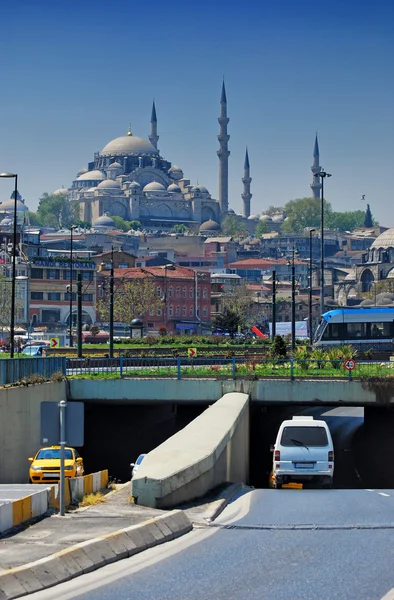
33 351
45 466
135 466
303 451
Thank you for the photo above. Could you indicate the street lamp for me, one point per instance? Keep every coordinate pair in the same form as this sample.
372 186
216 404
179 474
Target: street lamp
294 253
71 287
273 329
12 320
310 285
322 175
111 305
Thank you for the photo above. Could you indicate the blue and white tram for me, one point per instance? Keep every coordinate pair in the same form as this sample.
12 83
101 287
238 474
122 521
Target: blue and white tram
365 328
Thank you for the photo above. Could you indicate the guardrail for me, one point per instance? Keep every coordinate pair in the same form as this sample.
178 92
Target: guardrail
224 368
13 370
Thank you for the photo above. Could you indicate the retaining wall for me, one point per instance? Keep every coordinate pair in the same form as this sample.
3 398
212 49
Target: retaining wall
212 449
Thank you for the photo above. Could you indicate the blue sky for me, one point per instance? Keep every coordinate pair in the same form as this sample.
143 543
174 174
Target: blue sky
75 73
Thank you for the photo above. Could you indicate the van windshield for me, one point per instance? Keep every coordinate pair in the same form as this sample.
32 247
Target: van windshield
304 436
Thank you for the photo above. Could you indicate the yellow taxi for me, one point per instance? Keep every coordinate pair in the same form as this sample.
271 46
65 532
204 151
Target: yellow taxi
45 466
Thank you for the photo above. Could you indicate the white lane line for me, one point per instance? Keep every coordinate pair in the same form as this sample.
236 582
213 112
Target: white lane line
369 490
383 494
389 595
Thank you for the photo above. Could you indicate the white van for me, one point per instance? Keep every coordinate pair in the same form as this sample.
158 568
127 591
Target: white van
303 451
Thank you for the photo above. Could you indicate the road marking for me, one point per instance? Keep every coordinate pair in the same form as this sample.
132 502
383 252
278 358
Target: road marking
389 595
369 490
383 494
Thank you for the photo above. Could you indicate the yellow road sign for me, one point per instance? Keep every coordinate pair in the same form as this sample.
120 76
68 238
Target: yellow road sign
54 343
192 352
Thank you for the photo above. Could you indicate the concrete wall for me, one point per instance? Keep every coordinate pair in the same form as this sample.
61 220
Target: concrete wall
211 450
20 426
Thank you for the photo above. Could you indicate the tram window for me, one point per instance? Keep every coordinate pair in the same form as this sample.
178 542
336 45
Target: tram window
356 330
335 332
381 330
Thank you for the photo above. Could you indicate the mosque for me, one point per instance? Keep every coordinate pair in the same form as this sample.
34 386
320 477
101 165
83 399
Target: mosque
130 179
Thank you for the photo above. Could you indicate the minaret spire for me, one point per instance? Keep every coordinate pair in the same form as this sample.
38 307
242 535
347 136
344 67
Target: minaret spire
316 169
153 138
246 180
223 152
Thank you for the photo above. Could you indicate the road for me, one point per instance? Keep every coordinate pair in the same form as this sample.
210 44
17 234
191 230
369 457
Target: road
15 491
267 545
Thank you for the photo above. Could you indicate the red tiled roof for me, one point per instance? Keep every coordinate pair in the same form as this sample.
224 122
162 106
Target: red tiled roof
141 272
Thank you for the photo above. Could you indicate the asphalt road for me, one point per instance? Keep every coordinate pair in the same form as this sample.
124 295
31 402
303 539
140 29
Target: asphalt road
267 545
10 492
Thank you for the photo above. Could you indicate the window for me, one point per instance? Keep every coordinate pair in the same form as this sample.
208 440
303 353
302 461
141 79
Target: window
124 265
67 296
170 310
205 293
184 311
197 312
356 330
170 291
191 293
66 275
191 311
178 291
308 436
184 292
53 273
54 296
159 312
205 312
50 316
178 311
37 295
151 312
158 292
87 275
37 274
198 292
87 297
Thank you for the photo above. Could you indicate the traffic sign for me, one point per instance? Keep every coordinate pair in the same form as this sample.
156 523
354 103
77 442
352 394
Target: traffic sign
54 342
349 364
192 352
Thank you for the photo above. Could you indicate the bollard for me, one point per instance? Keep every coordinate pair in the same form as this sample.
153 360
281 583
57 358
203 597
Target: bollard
120 366
292 369
234 366
178 364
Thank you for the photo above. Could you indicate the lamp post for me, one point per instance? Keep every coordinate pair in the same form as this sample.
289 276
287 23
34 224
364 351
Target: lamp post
12 319
310 285
71 287
111 306
273 332
293 290
79 315
323 174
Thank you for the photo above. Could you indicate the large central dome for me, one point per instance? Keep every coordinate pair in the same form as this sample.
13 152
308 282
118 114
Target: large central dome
128 145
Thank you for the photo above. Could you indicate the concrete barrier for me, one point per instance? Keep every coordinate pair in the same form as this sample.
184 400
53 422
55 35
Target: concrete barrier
212 449
19 511
88 484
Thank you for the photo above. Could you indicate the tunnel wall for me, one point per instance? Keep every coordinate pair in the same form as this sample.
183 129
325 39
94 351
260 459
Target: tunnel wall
212 449
20 426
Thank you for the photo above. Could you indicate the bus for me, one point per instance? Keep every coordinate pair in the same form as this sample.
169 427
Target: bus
365 328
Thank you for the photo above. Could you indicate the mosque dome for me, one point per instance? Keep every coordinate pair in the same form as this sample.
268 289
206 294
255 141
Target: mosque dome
203 189
103 221
266 218
6 221
95 175
128 145
82 171
384 240
175 172
252 217
92 189
109 184
60 191
115 165
8 205
210 226
195 188
134 185
279 218
174 188
154 186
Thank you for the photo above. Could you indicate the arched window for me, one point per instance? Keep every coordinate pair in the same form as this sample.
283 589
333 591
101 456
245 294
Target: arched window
191 293
170 291
159 312
178 291
178 310
170 310
205 311
184 292
205 293
158 291
191 311
184 311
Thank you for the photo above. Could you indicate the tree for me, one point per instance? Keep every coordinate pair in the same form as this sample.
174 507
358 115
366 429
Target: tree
55 210
304 213
261 228
94 330
232 226
135 225
274 210
368 220
227 321
179 228
345 221
34 219
132 298
121 223
5 302
83 224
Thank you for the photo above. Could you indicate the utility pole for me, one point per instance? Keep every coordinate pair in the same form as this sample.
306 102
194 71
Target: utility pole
111 306
273 332
310 286
79 315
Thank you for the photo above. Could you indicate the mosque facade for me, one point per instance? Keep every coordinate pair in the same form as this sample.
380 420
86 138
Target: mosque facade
129 178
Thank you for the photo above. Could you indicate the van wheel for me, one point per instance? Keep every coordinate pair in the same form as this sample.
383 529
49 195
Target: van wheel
327 485
277 486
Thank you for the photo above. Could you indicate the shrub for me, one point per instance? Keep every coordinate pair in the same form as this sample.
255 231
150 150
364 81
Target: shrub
278 348
162 331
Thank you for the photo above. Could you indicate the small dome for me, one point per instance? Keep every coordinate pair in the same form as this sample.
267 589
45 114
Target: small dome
95 175
384 240
109 184
279 218
174 188
175 172
6 221
115 165
60 191
251 217
266 218
82 171
210 226
103 221
195 189
128 145
92 189
154 186
203 189
134 185
231 211
8 205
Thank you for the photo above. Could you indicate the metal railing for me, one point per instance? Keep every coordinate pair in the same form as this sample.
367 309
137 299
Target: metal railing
13 370
220 368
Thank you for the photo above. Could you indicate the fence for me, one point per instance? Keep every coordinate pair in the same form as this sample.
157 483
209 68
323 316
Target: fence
218 368
13 370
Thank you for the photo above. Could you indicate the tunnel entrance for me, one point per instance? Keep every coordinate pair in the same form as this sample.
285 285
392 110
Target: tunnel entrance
116 434
363 448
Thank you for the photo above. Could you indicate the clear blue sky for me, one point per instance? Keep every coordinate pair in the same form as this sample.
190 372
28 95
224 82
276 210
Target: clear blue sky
75 73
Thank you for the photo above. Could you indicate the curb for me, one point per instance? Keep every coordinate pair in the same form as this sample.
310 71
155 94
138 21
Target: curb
217 506
92 554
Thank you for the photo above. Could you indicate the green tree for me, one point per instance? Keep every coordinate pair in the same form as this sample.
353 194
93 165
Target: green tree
273 210
135 225
132 299
179 228
34 219
121 223
303 213
347 220
55 210
5 302
83 224
261 228
232 226
228 320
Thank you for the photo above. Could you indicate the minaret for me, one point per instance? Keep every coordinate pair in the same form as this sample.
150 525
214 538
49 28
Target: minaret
223 153
316 168
246 180
153 138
